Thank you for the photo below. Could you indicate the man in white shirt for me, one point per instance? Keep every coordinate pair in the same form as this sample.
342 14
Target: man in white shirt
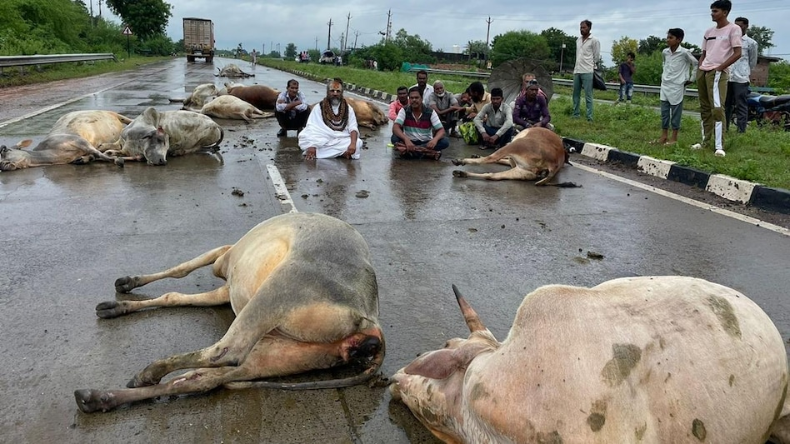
738 85
588 51
425 89
678 63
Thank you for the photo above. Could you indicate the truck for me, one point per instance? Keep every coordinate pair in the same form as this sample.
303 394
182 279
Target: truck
199 39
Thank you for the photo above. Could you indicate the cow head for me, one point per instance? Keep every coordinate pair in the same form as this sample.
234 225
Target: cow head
432 386
14 158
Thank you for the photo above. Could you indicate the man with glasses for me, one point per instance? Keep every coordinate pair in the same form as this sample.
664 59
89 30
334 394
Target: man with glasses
417 131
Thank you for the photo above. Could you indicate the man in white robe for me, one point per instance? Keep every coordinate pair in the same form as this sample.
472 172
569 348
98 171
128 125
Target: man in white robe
331 129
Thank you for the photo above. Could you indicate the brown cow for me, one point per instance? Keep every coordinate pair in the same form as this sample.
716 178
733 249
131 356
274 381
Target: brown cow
259 96
305 297
664 359
532 153
55 149
369 115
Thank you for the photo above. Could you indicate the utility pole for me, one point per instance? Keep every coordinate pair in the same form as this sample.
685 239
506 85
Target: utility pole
316 43
356 36
92 23
488 29
342 42
389 25
329 35
348 20
99 8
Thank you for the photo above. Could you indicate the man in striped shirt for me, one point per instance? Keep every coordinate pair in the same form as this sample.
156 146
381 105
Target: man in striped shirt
417 131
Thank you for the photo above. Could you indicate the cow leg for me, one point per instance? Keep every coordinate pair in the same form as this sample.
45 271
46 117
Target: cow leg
127 283
197 381
545 181
113 309
511 174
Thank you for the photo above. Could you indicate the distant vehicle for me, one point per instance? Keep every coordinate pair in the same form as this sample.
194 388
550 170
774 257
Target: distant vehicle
327 57
199 39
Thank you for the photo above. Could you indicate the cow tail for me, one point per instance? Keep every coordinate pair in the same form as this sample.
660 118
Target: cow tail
215 145
564 185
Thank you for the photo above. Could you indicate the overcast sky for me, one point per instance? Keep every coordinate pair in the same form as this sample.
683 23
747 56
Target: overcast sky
449 25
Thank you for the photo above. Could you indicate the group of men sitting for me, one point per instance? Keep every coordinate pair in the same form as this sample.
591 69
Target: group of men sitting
423 116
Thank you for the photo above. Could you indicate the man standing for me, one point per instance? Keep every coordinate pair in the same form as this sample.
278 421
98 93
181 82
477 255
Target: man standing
417 130
588 51
291 109
495 122
331 129
254 57
425 89
721 47
445 105
400 101
738 86
627 70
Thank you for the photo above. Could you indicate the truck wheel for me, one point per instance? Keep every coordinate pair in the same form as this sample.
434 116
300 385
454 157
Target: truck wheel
209 59
191 59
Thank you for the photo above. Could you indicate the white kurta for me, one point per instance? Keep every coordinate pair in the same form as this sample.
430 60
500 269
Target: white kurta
328 143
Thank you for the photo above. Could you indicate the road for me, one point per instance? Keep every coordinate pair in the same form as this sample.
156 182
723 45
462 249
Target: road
70 231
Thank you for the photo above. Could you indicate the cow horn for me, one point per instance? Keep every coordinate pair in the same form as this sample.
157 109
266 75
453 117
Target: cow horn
470 316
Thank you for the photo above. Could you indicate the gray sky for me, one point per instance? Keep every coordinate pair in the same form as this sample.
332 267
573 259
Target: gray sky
262 24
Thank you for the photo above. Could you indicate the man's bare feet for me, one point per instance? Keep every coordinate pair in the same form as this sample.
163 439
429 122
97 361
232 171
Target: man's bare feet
310 154
670 142
660 141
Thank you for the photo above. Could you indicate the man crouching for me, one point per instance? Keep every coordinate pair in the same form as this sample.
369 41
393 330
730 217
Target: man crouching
331 129
417 131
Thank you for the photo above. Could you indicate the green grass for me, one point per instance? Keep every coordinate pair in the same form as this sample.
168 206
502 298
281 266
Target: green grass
60 71
760 155
643 99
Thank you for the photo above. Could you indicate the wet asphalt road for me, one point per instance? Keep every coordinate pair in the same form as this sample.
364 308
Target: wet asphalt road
70 231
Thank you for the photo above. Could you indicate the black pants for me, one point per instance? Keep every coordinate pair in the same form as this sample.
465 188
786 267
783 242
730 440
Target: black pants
296 122
736 104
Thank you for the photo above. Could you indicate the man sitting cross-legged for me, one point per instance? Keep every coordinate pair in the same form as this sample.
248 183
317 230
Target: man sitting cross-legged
291 109
495 122
331 129
531 109
418 131
445 105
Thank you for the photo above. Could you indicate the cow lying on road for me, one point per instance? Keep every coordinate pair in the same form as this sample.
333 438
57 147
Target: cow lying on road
650 359
55 149
95 126
369 115
201 95
305 297
154 135
231 107
531 154
232 70
259 96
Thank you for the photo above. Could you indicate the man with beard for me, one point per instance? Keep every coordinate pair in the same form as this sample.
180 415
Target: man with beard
495 122
331 129
445 105
417 131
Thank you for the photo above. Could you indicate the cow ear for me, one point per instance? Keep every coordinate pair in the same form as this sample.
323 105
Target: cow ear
442 363
160 131
24 144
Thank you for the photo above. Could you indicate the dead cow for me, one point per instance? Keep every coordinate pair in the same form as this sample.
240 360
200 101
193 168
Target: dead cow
369 115
201 95
154 135
305 297
55 149
650 359
532 153
231 107
259 96
95 126
233 71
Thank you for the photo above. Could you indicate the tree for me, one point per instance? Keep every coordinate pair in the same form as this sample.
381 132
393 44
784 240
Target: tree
290 51
416 49
477 49
651 44
762 36
622 47
146 18
555 38
519 44
691 47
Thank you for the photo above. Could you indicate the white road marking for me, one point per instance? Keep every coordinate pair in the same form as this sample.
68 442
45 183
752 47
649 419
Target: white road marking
280 190
713 208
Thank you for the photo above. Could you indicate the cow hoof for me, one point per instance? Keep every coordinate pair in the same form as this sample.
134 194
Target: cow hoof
457 162
368 348
119 161
90 401
459 173
125 284
111 309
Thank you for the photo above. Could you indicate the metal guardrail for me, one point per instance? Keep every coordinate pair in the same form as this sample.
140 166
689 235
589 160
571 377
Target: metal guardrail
9 61
646 89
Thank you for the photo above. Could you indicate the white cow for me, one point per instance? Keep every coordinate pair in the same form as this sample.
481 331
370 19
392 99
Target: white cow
201 95
633 360
231 107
